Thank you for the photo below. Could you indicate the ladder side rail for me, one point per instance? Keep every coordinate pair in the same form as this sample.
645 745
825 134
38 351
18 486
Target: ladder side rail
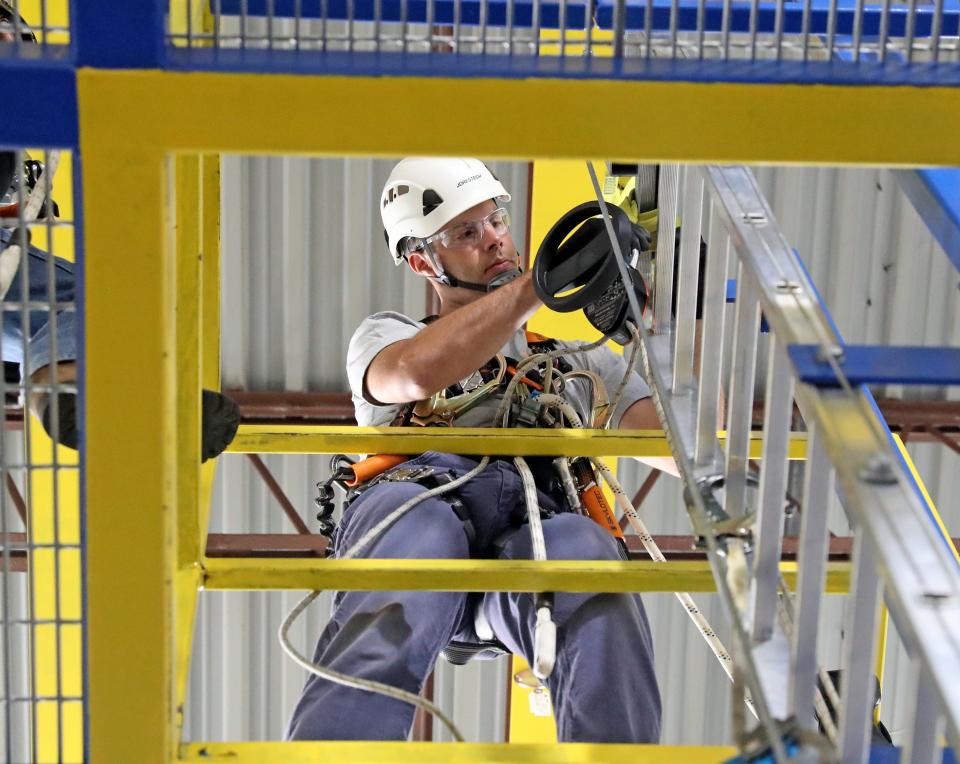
921 580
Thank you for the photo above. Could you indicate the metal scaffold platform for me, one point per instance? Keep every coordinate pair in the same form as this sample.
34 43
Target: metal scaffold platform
105 551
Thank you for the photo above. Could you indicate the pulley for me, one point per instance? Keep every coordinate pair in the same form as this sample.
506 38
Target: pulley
576 269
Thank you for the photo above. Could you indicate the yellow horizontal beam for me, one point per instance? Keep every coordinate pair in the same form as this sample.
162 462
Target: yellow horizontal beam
450 753
709 122
311 439
479 575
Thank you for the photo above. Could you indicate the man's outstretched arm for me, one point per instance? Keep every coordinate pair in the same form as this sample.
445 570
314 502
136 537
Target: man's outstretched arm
452 347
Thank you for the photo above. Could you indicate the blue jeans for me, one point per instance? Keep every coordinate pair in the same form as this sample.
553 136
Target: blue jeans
36 323
603 685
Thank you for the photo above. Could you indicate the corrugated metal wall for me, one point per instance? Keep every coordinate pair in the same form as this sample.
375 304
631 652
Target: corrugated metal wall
304 262
16 678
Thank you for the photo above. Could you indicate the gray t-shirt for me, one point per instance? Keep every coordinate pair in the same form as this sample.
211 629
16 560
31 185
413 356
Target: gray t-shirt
382 329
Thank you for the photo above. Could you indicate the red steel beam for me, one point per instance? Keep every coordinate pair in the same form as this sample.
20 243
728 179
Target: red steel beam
288 509
17 499
674 547
642 494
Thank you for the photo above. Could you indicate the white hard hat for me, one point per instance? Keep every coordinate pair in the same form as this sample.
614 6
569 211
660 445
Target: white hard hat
423 194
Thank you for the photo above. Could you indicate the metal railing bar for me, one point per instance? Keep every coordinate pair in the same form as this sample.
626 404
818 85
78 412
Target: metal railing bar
925 719
746 331
778 411
711 343
859 648
811 564
666 242
687 278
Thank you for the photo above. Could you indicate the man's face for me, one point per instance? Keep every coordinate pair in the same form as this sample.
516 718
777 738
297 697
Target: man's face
473 258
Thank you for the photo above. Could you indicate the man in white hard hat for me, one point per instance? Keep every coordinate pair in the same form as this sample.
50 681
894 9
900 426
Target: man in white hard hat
446 219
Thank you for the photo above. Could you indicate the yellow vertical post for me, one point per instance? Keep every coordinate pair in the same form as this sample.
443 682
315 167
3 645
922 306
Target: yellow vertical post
558 185
188 295
210 240
130 427
188 245
209 310
525 726
197 236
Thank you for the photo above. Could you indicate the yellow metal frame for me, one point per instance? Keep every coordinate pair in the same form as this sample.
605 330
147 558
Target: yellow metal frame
150 314
481 575
306 439
710 122
443 753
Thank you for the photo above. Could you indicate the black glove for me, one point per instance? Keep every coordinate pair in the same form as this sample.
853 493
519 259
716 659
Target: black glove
640 240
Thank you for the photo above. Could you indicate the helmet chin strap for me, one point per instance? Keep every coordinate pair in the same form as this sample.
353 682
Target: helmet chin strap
495 283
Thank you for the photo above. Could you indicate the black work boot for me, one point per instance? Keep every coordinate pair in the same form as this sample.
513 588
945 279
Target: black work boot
221 417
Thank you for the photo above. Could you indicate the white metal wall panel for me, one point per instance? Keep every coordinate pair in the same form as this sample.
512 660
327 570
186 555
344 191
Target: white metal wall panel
15 607
304 262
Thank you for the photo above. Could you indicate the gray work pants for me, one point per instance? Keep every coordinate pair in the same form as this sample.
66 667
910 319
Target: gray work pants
603 686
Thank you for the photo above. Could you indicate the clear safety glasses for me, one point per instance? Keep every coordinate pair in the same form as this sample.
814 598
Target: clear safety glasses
469 233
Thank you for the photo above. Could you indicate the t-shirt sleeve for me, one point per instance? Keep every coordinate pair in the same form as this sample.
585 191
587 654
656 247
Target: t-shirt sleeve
611 368
373 335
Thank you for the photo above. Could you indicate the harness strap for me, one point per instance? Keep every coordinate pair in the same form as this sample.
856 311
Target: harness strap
430 477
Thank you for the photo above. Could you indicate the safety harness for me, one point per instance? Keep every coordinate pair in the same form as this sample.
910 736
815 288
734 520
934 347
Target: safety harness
575 477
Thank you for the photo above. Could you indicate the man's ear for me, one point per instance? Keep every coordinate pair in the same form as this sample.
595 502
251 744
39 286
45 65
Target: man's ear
421 265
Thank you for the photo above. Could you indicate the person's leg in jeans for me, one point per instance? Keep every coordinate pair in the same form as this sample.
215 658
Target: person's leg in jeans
53 335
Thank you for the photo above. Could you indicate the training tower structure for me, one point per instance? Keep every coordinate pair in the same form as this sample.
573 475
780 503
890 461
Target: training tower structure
145 95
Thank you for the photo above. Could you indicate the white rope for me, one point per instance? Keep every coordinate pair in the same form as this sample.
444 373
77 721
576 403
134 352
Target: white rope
545 630
533 509
631 365
693 611
503 411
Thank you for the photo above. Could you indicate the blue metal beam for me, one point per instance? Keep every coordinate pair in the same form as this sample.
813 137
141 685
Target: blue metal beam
118 35
687 11
417 11
793 12
936 196
872 364
40 101
523 66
